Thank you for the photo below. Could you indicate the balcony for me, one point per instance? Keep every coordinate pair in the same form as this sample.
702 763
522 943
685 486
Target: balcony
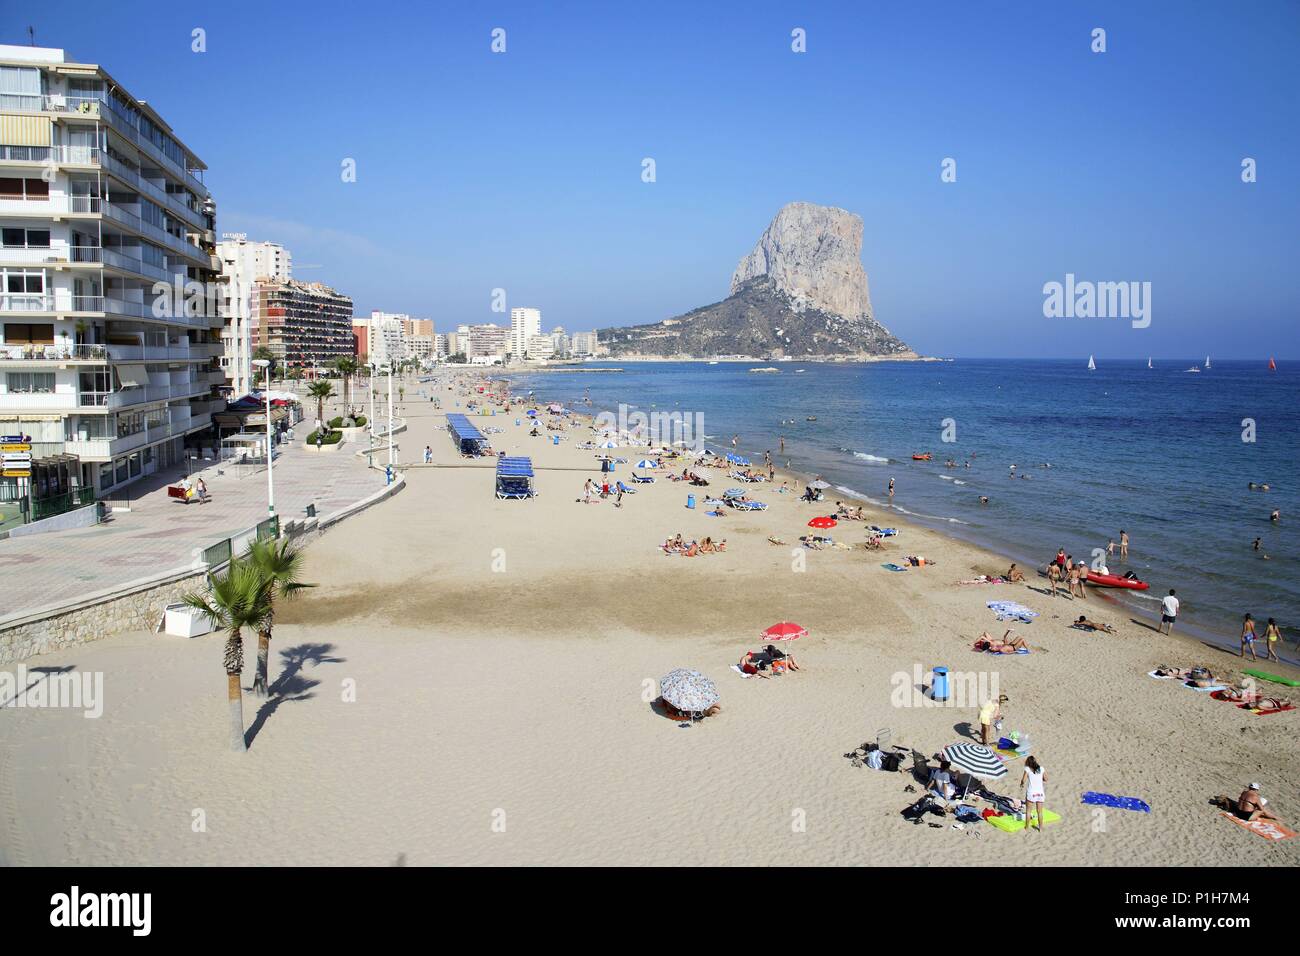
43 255
55 354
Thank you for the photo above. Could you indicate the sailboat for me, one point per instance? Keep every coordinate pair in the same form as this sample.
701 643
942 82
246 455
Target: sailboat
1272 366
1092 365
1207 362
1148 361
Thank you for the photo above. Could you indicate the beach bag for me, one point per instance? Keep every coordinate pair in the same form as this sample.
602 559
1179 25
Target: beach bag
874 760
916 810
891 762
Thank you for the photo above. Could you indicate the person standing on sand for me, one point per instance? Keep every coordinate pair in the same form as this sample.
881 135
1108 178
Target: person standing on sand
1272 634
1032 780
1123 545
891 489
1168 612
1248 637
990 714
1054 577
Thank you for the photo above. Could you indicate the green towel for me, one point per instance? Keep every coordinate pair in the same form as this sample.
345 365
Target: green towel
1011 825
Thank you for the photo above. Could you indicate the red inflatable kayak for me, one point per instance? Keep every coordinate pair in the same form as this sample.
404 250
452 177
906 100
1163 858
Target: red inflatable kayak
1115 581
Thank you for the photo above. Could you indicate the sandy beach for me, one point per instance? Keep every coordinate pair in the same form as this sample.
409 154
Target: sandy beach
471 683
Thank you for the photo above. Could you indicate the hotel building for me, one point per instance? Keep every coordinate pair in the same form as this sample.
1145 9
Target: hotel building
306 325
109 322
524 324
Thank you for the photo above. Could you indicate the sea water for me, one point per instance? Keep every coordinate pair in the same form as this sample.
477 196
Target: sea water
1163 453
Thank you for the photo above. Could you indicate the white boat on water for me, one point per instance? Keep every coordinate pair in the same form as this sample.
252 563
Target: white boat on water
1092 365
1149 362
713 363
1194 368
1207 363
767 369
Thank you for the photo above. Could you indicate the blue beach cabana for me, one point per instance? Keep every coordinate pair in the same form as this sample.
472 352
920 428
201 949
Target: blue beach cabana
515 478
469 440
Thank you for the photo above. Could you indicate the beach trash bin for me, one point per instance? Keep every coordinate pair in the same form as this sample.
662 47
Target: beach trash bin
181 620
939 689
555 439
690 501
518 423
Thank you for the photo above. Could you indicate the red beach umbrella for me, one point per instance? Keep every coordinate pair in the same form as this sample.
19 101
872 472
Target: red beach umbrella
823 522
785 631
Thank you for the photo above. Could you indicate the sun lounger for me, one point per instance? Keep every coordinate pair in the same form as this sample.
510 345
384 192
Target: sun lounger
747 505
625 489
643 479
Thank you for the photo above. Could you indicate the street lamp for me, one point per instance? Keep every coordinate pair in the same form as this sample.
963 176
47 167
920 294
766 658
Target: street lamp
374 370
390 414
270 455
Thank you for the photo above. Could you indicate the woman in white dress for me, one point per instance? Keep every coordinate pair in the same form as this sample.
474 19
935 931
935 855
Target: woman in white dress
1032 780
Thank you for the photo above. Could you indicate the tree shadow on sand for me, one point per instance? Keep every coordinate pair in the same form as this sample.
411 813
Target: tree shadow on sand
291 685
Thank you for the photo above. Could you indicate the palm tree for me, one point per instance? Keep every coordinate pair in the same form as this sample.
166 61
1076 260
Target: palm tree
320 390
263 354
238 600
347 367
280 564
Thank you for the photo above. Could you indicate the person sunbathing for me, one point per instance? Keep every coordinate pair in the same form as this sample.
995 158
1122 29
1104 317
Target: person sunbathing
755 662
692 551
721 545
1086 625
1015 575
1009 644
1251 806
707 546
781 661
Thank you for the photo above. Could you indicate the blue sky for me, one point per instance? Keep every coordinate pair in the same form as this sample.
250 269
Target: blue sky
523 170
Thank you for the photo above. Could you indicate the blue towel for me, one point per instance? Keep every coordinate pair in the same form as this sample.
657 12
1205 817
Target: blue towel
1121 803
892 567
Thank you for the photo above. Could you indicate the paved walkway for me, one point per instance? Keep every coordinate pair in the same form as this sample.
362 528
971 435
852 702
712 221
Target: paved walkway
160 533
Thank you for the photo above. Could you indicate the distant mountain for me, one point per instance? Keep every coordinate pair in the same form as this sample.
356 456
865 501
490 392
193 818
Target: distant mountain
802 291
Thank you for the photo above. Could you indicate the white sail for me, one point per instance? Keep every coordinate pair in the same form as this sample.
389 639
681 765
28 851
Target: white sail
1207 361
1092 366
1148 362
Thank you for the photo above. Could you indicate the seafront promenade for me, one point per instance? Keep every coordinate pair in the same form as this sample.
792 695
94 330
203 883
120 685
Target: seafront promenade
160 533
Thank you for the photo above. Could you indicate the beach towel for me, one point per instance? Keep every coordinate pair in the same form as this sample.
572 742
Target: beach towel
1007 755
1265 675
1011 610
1010 824
892 567
1160 676
1120 803
1205 690
1019 650
1268 829
736 668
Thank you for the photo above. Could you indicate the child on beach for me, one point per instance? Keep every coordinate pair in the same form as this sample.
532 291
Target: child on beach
1033 780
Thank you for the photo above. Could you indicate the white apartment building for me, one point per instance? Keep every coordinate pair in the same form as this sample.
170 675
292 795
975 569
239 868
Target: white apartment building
560 342
540 348
524 324
584 343
109 316
388 337
421 348
242 264
440 346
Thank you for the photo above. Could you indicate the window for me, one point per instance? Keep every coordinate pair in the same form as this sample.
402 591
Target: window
21 188
30 383
25 333
20 88
25 238
16 281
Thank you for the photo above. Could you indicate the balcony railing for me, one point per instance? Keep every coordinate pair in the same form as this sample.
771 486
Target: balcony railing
32 256
55 353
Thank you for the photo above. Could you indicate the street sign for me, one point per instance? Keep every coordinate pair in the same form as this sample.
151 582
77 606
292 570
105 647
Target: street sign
15 446
7 473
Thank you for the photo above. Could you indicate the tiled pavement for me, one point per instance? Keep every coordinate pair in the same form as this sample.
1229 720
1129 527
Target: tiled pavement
160 533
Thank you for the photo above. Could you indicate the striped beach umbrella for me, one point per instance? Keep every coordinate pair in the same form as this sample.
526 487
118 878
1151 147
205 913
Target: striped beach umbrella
976 760
647 463
785 631
608 443
688 690
734 493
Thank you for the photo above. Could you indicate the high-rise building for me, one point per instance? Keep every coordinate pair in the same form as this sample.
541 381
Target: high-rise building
540 347
242 264
361 339
524 324
584 343
109 312
306 325
441 346
420 347
489 342
388 337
